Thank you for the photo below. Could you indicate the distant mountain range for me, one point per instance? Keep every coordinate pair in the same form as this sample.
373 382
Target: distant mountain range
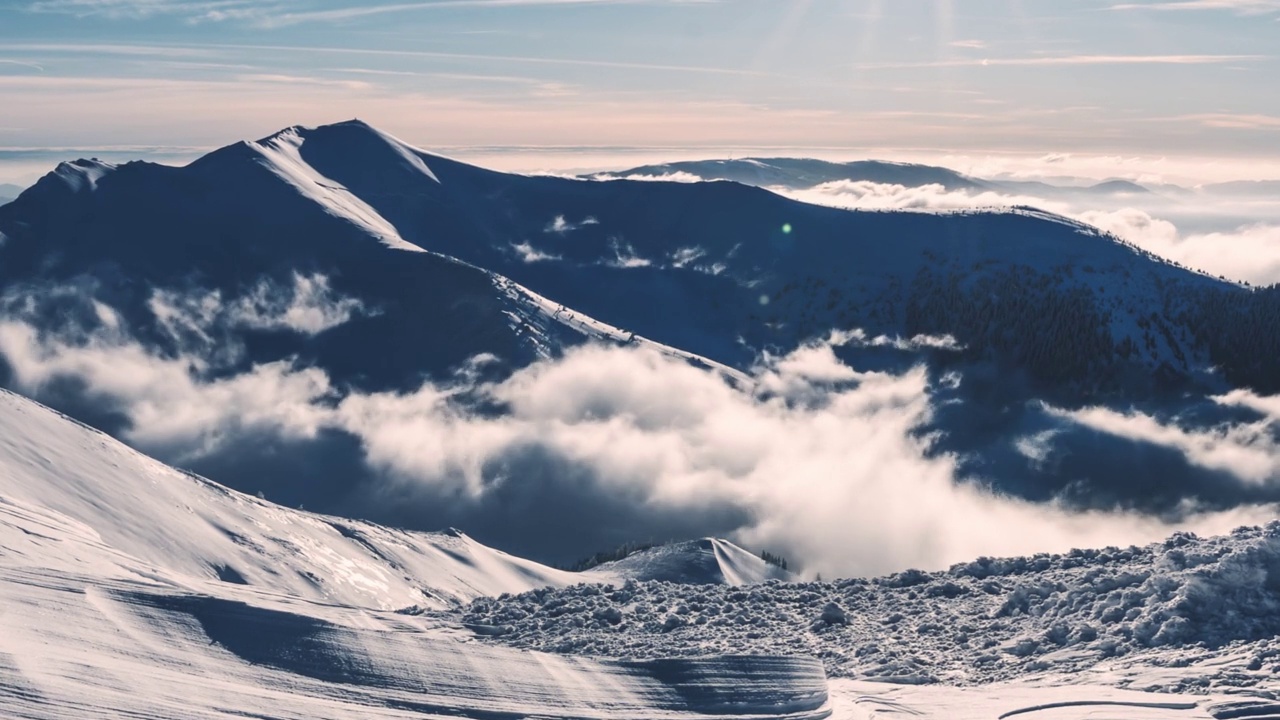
798 174
9 192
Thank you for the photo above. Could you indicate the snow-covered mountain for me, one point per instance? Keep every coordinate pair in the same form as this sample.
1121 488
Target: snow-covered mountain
694 562
802 174
130 589
798 173
342 252
719 270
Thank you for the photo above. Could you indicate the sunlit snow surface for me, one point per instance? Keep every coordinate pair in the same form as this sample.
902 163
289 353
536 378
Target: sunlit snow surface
129 589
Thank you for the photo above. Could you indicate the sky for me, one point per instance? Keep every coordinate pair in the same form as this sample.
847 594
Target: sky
1187 85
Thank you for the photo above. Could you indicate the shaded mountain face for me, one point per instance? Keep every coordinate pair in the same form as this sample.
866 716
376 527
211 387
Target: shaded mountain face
349 263
720 270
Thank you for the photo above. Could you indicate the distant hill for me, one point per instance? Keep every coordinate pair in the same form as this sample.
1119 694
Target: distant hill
9 192
798 173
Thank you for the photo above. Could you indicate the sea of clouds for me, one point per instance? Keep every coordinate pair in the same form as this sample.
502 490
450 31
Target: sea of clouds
813 458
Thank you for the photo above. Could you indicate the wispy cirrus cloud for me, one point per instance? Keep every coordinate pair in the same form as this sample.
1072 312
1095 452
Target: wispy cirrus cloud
279 14
1069 60
1244 7
341 14
138 9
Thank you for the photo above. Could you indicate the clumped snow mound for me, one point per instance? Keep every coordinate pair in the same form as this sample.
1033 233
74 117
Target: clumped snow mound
1205 611
709 561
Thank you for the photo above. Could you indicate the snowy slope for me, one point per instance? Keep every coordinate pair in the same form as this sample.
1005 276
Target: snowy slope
63 483
128 589
705 561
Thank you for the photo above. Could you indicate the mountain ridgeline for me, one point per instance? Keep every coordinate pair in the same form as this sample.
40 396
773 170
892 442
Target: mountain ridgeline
722 270
444 262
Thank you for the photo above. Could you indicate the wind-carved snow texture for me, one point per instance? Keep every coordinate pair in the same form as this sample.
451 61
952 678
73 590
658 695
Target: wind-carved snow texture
129 589
1187 615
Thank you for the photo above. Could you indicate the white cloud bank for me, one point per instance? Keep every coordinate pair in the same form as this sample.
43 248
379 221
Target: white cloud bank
824 460
1247 253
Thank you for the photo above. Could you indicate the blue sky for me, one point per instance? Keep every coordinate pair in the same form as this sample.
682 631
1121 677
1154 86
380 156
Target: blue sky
1194 78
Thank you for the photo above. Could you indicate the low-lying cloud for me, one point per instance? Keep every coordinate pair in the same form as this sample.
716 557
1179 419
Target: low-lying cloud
1244 252
1246 450
817 460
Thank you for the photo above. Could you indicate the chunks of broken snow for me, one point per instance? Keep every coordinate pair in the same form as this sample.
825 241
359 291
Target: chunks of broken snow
1205 611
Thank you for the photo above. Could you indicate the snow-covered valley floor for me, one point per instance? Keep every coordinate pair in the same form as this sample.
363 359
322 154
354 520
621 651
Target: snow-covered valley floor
129 589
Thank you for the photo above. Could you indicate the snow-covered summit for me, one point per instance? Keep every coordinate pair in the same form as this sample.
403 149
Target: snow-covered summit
696 562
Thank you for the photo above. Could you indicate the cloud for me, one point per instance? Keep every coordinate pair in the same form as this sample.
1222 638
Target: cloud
139 9
866 195
1246 253
171 405
202 319
1247 450
1250 253
679 176
1068 61
818 459
1268 406
560 226
310 307
625 256
182 401
1243 7
529 254
346 14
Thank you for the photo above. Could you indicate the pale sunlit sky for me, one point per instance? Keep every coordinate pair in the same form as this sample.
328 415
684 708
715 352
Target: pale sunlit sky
1183 83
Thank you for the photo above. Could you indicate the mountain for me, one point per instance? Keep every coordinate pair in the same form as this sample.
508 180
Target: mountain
695 562
344 251
718 270
9 192
133 589
798 173
803 174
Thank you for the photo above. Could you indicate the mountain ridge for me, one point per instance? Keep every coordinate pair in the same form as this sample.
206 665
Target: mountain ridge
1025 307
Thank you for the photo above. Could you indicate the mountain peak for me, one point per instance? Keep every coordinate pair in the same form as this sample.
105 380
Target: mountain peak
707 561
351 146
